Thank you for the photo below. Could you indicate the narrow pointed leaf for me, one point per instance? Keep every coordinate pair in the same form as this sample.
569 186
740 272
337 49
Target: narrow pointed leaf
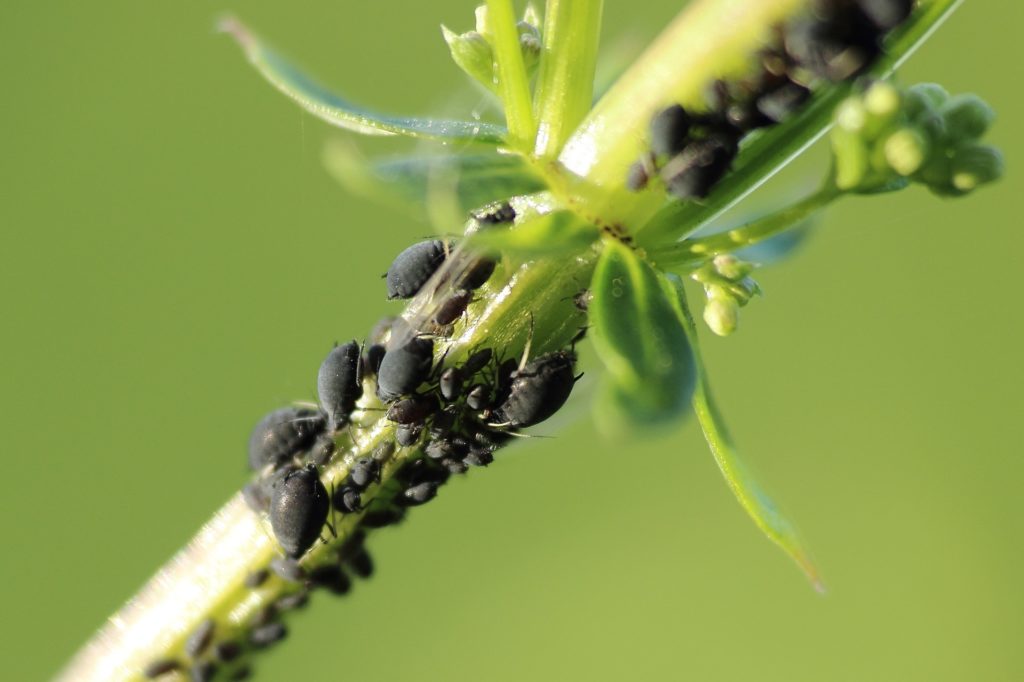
332 108
441 188
754 500
640 338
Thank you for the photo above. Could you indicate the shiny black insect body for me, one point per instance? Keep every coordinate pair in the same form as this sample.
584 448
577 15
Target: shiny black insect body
365 471
414 266
538 389
348 499
200 639
283 434
453 307
495 214
331 578
670 130
298 510
339 384
408 435
412 410
160 667
418 494
265 635
476 275
403 369
695 171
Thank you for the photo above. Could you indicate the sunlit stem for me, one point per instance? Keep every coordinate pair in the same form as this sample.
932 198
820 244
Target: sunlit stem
513 83
695 251
710 39
568 60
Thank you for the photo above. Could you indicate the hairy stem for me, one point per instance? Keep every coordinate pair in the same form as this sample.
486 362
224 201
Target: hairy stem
207 579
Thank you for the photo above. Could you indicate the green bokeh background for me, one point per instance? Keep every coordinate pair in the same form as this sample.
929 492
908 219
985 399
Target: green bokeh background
174 262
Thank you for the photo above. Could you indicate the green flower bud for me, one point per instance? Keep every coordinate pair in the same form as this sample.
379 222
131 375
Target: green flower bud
722 314
530 43
925 97
532 15
967 117
906 150
851 115
883 100
975 165
851 158
473 54
731 267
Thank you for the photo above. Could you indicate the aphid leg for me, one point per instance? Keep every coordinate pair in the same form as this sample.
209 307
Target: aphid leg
529 342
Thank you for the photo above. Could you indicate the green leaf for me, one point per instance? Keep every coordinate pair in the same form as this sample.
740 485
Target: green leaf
640 337
329 107
543 234
441 188
754 500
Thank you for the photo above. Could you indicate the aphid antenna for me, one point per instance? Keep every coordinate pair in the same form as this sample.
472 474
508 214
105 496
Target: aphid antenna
529 343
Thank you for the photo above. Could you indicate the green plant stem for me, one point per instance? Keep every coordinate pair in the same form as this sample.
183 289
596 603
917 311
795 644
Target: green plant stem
710 39
568 61
691 252
207 578
513 83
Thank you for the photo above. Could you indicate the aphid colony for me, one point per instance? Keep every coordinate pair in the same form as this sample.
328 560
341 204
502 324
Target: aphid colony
690 151
452 416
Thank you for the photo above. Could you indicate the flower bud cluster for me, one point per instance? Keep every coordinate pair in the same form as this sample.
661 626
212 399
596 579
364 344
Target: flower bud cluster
473 52
728 286
885 137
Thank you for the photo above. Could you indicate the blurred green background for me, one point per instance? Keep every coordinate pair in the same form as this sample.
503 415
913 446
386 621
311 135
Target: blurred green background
175 262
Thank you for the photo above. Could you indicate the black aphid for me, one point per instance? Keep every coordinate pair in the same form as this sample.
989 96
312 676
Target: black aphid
287 569
413 267
160 667
453 307
255 497
695 171
412 410
439 449
582 300
282 434
670 129
450 383
442 422
403 369
455 466
479 458
495 214
339 384
476 361
265 635
256 578
479 397
372 358
637 176
361 563
227 651
476 275
539 389
323 449
365 471
203 671
381 518
408 435
200 638
298 511
348 499
295 600
418 494
778 104
331 578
